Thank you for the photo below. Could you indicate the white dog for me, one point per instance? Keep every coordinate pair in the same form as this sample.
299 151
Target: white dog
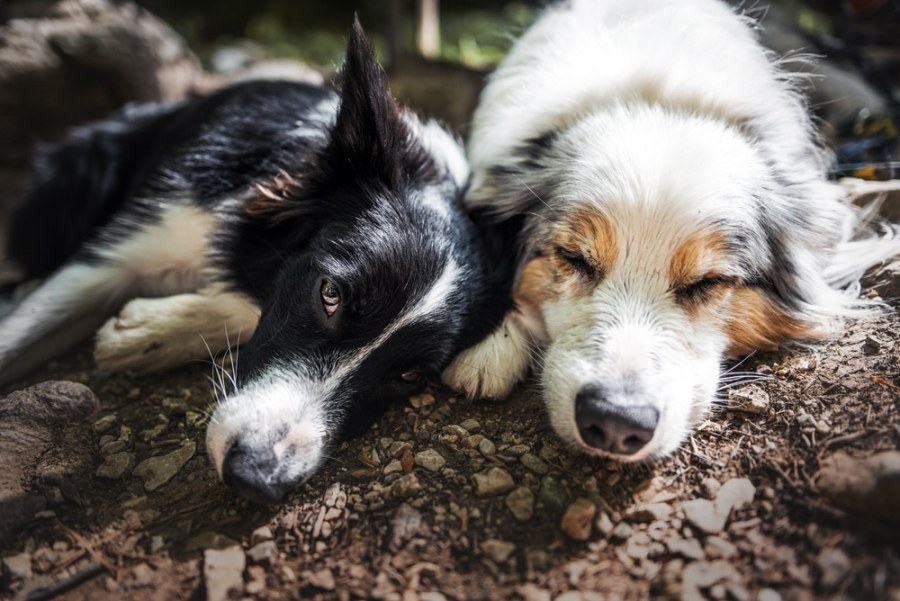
675 211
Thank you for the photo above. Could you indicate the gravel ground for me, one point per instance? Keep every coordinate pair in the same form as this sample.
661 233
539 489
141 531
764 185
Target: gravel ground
789 490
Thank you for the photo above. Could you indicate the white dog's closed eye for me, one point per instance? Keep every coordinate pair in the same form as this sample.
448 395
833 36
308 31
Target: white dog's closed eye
676 213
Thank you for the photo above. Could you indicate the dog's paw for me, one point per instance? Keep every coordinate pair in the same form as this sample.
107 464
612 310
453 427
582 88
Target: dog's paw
142 338
493 367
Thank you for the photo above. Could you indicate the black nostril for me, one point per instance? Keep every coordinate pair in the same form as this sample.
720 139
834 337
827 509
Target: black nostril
623 430
252 475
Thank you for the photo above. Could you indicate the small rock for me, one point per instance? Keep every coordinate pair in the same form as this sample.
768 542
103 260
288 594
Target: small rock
405 524
872 345
552 493
393 467
115 466
749 399
497 550
261 534
651 512
703 514
473 441
689 548
104 423
520 503
223 572
265 552
112 447
710 487
157 542
621 531
471 425
869 487
430 460
421 400
158 470
494 481
18 566
833 567
531 592
719 548
323 579
734 494
767 594
487 448
702 575
143 575
534 463
604 524
403 487
638 546
578 519
431 596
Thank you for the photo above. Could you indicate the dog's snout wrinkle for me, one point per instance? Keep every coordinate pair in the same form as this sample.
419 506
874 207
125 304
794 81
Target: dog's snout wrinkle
254 474
603 425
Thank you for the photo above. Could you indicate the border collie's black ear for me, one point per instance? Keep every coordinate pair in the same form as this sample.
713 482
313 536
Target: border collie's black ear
369 136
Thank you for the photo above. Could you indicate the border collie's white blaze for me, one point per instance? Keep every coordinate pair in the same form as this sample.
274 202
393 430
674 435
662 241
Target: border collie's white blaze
329 227
676 213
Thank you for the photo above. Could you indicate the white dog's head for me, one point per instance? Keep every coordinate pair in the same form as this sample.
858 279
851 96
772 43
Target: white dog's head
658 244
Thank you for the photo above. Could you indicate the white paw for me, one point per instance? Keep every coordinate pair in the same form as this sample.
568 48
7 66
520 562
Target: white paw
493 367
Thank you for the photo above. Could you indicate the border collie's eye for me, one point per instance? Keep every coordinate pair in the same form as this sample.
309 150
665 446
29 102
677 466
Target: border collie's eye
700 289
579 263
331 297
412 377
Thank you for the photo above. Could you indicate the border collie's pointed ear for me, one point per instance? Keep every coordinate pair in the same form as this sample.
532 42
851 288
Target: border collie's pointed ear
369 135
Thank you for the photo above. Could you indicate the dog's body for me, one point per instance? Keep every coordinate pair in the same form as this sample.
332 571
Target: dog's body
676 213
330 226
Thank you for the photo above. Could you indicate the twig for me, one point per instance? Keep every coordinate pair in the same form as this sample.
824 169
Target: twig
49 592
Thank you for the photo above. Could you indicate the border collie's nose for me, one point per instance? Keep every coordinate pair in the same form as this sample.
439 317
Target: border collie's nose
613 428
253 475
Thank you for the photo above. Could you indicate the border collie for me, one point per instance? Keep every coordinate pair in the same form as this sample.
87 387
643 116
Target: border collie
676 213
329 227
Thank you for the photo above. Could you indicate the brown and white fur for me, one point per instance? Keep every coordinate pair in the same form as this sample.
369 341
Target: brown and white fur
676 213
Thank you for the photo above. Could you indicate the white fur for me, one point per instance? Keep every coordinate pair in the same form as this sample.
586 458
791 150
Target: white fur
670 120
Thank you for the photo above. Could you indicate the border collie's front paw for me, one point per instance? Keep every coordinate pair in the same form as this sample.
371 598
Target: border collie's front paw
493 367
139 339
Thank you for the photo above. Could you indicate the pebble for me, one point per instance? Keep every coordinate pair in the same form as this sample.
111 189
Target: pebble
473 441
405 524
580 596
430 460
604 524
143 575
393 467
421 400
104 423
833 566
403 487
768 594
158 470
578 519
497 550
487 448
261 534
689 548
710 487
719 548
520 503
645 514
223 572
531 592
734 494
432 596
115 466
494 481
749 399
18 566
869 486
703 514
471 425
112 447
552 493
322 579
265 552
534 463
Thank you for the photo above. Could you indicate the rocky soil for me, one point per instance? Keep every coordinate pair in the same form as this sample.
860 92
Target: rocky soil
788 491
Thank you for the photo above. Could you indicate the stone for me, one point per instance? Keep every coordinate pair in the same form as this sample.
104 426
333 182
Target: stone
737 493
719 548
261 534
421 400
115 466
869 487
223 572
689 548
604 524
702 575
768 594
18 566
621 531
406 523
497 550
833 567
432 596
112 447
578 519
703 514
393 467
494 481
403 487
531 592
265 552
321 579
520 503
157 471
104 423
650 512
552 493
143 575
534 463
487 448
749 398
471 425
430 460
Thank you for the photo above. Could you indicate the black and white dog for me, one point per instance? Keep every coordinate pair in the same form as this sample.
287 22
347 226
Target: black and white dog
330 227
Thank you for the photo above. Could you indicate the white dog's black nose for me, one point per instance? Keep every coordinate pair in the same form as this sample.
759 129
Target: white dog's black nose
253 474
623 430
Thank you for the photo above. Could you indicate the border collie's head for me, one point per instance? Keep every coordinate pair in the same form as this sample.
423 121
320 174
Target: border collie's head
659 243
373 293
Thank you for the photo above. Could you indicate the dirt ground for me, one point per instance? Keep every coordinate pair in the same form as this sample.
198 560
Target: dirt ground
451 499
